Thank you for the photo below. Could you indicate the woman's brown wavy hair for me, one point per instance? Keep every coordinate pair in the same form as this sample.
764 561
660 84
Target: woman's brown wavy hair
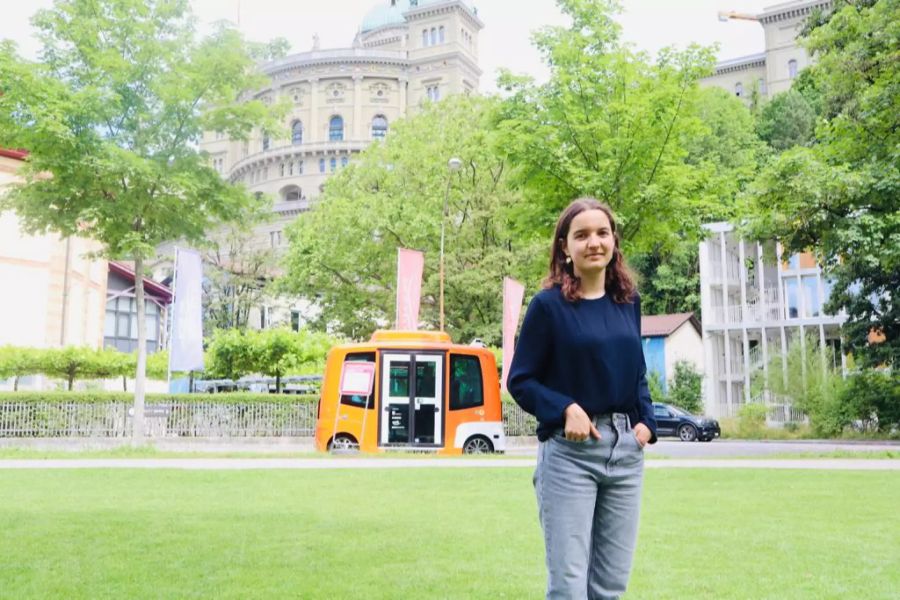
619 278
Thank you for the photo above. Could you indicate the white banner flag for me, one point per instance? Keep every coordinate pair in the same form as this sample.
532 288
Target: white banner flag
186 340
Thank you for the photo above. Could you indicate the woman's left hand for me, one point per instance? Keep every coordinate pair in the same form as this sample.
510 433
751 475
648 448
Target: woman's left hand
642 433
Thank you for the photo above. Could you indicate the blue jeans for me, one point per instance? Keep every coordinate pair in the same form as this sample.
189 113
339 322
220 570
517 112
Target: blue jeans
589 496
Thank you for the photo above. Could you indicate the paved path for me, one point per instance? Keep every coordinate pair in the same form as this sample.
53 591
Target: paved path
427 463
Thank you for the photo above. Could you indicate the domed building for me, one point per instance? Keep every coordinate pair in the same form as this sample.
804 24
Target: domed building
406 53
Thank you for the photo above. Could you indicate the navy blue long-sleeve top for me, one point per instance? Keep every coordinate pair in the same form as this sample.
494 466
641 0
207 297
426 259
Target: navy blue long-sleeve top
588 352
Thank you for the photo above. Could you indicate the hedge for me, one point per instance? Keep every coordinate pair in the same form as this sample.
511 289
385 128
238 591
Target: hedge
95 397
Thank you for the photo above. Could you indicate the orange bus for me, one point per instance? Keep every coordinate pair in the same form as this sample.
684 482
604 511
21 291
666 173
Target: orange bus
410 390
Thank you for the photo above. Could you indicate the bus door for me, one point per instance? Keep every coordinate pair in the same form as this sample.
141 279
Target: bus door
411 399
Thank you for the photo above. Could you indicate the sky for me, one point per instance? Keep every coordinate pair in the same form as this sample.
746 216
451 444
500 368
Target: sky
504 42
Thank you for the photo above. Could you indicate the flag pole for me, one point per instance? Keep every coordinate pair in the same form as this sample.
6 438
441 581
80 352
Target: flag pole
172 324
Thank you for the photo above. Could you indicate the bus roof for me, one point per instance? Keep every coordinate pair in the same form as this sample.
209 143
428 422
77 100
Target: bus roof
426 337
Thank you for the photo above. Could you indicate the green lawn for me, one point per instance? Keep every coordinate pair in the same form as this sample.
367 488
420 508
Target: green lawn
427 533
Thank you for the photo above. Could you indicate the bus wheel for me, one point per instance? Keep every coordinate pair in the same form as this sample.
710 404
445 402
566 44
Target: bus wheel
343 444
478 444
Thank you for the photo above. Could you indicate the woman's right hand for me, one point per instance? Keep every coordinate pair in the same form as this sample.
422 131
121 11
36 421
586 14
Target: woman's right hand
579 425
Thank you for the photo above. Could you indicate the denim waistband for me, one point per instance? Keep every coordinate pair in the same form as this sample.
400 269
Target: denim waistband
615 420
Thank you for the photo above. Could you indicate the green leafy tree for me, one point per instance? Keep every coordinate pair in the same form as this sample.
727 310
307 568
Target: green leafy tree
229 355
609 123
18 361
111 115
725 154
873 397
687 388
786 121
838 197
343 254
78 362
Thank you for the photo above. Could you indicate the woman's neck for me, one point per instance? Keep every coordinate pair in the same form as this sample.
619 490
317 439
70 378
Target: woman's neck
593 285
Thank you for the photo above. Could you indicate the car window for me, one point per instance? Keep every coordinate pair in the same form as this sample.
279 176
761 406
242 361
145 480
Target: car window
678 412
660 411
355 400
465 382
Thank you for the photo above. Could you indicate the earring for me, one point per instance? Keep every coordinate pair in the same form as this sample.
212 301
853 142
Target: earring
568 260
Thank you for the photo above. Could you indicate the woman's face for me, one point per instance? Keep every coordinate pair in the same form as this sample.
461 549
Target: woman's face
590 242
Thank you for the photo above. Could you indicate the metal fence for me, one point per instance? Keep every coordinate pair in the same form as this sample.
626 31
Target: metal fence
185 419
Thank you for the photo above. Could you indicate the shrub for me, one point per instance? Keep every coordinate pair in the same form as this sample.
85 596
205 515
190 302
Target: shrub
809 384
687 388
752 421
96 397
654 383
873 398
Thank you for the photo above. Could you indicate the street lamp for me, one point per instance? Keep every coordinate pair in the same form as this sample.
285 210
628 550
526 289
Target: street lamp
453 165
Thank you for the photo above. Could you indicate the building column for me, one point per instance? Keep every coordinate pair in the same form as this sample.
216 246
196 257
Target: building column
357 107
314 125
744 310
724 256
403 82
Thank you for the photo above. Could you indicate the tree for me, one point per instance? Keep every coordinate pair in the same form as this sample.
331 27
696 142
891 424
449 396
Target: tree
18 361
343 254
787 120
725 153
111 116
237 277
611 124
687 388
838 197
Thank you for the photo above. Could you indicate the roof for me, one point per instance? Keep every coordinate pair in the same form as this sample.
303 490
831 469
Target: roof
17 154
385 15
153 288
665 325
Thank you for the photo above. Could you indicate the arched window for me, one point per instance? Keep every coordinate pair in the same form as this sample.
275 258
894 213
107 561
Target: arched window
296 133
379 127
424 37
321 165
336 129
344 161
792 68
441 34
282 169
739 89
333 164
266 142
761 84
290 193
291 168
433 36
299 167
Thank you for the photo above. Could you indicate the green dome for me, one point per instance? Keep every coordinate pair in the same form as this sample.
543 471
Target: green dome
389 13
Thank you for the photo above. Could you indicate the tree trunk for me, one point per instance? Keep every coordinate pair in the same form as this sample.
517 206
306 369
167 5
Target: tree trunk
124 383
16 383
137 432
71 380
278 384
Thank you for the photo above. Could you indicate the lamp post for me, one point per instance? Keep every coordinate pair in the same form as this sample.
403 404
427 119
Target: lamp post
453 165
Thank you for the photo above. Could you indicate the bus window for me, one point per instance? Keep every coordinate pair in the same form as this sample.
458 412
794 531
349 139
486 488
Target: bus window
356 400
465 382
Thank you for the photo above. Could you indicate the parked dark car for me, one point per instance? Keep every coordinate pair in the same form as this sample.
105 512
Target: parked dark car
671 420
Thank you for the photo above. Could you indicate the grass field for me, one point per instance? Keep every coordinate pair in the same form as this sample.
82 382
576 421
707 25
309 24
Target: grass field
420 533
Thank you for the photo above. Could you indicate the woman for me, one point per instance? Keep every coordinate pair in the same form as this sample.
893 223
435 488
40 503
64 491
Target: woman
579 368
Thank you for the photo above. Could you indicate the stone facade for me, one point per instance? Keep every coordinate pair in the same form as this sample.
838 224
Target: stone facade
773 70
406 53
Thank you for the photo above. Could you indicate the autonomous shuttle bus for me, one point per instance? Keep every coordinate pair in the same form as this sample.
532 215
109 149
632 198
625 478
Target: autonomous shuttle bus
410 390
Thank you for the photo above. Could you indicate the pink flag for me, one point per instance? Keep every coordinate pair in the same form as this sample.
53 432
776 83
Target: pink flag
409 287
513 293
